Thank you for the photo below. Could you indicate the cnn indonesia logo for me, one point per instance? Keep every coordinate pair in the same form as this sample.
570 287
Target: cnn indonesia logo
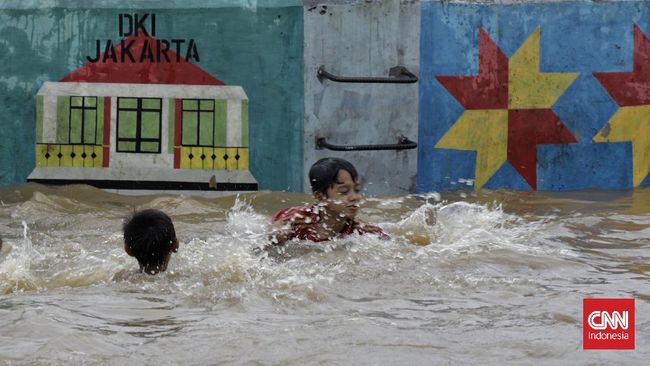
608 324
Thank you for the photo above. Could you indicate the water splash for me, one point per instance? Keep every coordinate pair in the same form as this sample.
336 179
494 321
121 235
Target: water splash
243 222
220 257
418 227
15 274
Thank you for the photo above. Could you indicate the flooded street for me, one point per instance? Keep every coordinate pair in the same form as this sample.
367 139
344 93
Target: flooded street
485 278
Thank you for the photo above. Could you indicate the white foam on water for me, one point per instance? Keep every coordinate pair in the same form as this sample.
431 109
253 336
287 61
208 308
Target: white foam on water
15 269
464 227
243 221
223 254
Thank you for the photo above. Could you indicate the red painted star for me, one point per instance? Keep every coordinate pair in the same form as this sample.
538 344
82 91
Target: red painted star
631 88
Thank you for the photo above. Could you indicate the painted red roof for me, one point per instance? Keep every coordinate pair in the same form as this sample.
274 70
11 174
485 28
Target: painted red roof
145 72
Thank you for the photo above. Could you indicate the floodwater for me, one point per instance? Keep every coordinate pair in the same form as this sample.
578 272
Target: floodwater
486 278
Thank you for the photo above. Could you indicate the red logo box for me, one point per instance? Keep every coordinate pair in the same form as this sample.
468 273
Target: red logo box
608 323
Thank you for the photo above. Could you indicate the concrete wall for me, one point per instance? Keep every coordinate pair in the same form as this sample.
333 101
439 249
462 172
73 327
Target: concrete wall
532 95
363 38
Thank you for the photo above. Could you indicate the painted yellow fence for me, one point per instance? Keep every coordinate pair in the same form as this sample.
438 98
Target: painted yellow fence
64 155
228 158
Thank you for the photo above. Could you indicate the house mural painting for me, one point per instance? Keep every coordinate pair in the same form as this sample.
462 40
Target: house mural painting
198 98
135 125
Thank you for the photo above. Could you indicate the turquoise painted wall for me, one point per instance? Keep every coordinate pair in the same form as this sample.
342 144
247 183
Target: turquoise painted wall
254 44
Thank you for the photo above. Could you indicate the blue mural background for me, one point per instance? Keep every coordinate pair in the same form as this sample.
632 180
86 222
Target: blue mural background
575 37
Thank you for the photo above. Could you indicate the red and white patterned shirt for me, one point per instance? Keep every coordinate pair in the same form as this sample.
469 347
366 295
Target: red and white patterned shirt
304 223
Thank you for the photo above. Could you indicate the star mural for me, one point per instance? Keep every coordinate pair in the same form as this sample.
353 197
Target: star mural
631 91
507 110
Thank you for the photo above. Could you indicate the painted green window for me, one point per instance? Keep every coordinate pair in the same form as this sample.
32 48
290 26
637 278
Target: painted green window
198 122
139 124
82 123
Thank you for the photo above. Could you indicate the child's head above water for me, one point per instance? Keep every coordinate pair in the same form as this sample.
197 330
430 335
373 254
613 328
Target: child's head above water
335 184
149 236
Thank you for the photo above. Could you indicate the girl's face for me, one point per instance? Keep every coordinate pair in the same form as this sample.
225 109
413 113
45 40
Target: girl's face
343 196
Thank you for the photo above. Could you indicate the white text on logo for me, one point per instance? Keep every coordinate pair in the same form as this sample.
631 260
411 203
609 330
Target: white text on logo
602 319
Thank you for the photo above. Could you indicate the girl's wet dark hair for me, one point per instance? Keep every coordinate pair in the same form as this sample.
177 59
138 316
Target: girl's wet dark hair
322 174
149 236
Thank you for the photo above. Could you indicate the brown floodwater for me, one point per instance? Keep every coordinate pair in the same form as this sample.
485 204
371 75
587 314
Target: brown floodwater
489 277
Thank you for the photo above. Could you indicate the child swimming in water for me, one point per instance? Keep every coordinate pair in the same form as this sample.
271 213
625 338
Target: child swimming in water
149 236
335 186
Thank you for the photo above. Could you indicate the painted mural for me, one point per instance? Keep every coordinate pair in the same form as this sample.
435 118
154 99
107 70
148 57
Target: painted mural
202 97
631 91
529 102
143 123
224 96
507 110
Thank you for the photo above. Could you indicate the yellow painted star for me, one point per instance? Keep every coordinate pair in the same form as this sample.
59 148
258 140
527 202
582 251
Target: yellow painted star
528 88
486 132
631 124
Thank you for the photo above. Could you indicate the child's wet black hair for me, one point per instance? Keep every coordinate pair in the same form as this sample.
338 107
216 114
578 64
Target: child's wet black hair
149 236
322 174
